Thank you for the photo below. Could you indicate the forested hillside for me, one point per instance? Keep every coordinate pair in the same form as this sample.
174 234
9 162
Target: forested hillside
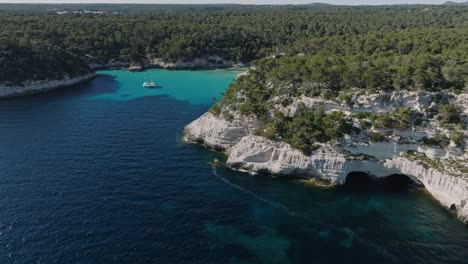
418 59
339 68
44 45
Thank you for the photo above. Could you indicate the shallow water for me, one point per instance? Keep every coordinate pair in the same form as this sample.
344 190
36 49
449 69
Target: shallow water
98 174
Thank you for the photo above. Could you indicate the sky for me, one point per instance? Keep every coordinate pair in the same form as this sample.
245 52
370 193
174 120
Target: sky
337 2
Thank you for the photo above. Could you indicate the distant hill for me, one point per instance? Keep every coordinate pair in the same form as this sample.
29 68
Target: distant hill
319 4
451 3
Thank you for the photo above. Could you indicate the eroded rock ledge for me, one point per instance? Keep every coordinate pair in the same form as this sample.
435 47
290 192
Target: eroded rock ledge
333 161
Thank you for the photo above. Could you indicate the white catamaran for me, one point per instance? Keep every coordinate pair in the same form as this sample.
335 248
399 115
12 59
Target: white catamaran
150 84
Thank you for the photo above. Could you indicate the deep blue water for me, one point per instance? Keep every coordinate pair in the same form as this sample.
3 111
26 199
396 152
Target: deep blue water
98 174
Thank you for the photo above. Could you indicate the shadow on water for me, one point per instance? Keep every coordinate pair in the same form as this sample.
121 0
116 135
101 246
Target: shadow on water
101 84
156 87
363 182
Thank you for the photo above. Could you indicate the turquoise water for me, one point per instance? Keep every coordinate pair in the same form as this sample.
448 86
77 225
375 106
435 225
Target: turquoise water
196 87
98 174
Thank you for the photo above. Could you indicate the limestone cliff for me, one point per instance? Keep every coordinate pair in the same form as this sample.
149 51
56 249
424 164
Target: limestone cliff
442 170
217 133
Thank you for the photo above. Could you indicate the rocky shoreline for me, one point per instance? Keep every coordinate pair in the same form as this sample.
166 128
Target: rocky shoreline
46 85
442 171
42 86
208 63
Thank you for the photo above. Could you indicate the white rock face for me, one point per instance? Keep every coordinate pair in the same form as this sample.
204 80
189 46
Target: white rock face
42 86
334 161
462 101
218 133
258 154
327 105
385 101
210 62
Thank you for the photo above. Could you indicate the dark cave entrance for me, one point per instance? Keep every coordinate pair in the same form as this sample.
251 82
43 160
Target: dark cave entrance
361 181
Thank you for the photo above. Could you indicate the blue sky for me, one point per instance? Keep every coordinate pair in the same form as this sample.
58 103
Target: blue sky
344 2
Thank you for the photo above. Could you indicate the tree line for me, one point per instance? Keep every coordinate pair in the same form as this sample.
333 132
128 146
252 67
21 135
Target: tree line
332 67
337 67
38 45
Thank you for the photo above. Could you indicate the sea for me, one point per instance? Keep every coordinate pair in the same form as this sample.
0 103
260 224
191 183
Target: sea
99 173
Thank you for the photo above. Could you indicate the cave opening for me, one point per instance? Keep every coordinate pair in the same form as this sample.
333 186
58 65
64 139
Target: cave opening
361 181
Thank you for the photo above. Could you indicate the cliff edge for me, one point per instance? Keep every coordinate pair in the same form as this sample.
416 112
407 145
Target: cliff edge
417 151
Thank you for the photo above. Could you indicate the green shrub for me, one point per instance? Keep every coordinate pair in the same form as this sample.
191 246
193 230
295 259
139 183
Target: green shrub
360 115
384 121
439 140
286 102
457 137
365 124
215 110
228 116
376 136
449 114
403 119
309 126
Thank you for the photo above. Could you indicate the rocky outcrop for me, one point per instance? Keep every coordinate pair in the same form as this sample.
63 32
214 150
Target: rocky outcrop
212 62
109 65
382 102
217 133
42 86
258 154
442 171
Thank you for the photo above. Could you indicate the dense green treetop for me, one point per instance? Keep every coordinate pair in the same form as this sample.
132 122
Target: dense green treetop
328 52
35 45
336 67
418 59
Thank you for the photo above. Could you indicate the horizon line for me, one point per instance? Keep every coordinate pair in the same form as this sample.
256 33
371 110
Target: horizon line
231 3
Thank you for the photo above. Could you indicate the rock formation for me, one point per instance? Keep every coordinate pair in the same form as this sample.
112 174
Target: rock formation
443 171
41 86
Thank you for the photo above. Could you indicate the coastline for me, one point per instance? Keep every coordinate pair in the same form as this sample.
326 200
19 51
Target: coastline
208 63
47 85
333 162
43 86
